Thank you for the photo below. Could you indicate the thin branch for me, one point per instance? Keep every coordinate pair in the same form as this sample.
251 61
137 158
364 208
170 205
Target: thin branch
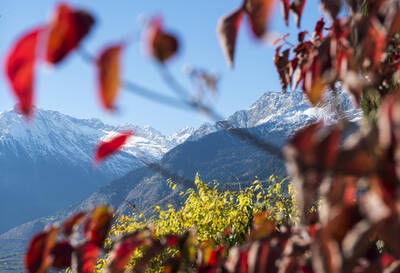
185 104
152 95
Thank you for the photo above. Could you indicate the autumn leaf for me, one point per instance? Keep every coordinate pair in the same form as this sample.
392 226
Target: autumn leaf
38 257
227 30
282 64
98 224
314 84
123 250
285 9
107 148
20 69
66 31
62 253
162 45
71 224
108 67
259 12
318 31
297 7
84 257
331 7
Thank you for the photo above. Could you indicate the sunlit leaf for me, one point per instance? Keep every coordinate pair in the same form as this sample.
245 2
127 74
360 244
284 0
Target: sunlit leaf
84 257
259 12
71 224
38 257
107 148
227 31
20 69
98 224
122 251
66 31
297 7
285 9
162 45
108 67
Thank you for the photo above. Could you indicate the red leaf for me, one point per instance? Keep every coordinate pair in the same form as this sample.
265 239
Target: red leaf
215 255
285 9
331 7
123 250
20 66
162 45
37 258
97 226
71 224
107 148
108 66
302 35
386 259
319 28
62 253
67 29
227 30
84 258
172 240
298 6
259 12
282 64
314 84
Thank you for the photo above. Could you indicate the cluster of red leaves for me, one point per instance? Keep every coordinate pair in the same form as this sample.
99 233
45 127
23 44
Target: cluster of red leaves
61 36
353 51
57 247
360 184
258 12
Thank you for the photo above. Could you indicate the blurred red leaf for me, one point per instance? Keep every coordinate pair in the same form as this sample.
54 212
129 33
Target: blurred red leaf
20 69
262 226
298 6
259 12
122 252
66 31
98 224
108 66
38 257
319 28
314 84
302 35
331 7
282 64
227 31
162 45
84 257
285 9
62 253
72 223
107 148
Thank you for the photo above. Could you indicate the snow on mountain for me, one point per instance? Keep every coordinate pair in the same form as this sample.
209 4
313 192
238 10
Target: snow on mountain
44 161
275 111
181 135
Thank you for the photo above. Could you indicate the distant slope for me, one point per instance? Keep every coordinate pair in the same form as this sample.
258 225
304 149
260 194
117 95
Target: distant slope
47 164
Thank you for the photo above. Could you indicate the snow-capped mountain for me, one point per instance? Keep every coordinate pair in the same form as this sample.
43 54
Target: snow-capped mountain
276 111
44 161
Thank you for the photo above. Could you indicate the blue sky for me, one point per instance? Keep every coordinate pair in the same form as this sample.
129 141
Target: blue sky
71 87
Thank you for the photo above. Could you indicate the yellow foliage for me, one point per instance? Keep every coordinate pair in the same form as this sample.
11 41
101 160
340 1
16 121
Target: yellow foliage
210 212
